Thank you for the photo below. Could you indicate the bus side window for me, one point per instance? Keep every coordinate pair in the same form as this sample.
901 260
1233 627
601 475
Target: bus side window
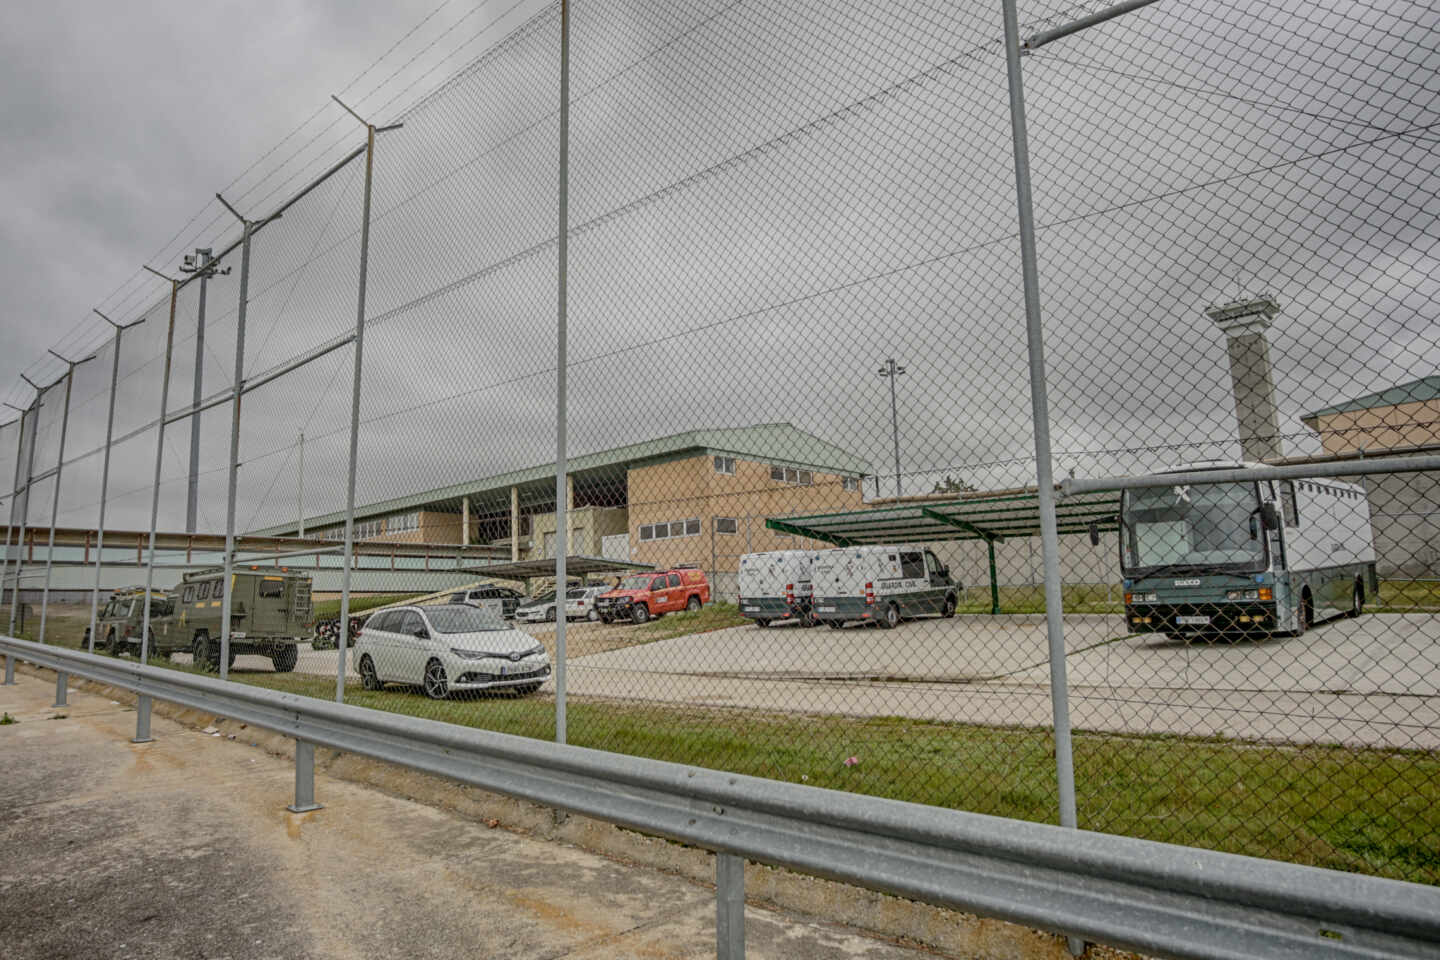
1288 505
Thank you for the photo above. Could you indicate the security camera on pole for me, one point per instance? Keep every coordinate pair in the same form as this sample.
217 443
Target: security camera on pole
890 371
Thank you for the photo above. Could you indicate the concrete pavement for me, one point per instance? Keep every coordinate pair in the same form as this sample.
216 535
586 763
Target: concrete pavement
182 848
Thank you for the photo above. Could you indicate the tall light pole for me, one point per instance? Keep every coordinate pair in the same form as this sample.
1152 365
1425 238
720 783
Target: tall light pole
890 371
202 263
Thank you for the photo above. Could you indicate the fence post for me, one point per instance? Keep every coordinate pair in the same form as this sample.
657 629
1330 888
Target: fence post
155 496
55 500
5 566
233 466
1039 403
342 644
105 472
561 379
304 779
729 907
25 510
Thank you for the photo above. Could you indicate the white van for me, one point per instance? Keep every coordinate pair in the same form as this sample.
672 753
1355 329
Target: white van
775 587
881 584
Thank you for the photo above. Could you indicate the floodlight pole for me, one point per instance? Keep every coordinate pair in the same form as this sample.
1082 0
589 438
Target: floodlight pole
891 371
562 545
105 471
203 266
343 642
70 366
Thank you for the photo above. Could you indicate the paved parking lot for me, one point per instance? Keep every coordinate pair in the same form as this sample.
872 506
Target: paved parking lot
1373 681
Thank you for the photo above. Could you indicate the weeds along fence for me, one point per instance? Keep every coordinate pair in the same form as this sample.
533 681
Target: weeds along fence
722 278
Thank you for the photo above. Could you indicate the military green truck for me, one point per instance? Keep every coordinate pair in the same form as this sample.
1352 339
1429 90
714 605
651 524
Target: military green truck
118 623
269 614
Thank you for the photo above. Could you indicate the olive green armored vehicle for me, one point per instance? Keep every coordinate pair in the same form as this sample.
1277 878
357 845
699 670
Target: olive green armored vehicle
269 614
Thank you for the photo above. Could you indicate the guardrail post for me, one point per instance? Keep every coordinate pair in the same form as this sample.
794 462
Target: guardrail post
62 684
304 778
9 670
729 907
142 720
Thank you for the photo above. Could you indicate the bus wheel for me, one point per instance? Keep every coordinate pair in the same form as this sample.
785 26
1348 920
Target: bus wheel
1357 600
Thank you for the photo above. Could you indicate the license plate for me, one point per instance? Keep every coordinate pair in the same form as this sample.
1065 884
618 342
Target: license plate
825 609
751 609
1192 621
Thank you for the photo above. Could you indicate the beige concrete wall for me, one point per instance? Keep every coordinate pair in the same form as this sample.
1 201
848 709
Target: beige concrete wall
692 488
587 526
1374 431
434 528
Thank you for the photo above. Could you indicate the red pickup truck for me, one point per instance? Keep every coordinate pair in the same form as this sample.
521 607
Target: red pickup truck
641 596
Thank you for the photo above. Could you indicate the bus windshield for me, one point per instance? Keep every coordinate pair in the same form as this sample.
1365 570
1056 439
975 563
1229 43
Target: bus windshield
1197 525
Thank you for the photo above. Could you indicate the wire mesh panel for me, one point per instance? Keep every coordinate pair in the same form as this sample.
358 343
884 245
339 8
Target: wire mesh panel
799 515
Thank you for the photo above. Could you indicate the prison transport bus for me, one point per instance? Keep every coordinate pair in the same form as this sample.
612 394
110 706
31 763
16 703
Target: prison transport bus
881 584
1265 557
775 586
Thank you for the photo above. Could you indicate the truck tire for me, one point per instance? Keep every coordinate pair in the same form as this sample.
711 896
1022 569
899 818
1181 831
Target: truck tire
640 614
693 604
948 609
285 658
111 647
205 656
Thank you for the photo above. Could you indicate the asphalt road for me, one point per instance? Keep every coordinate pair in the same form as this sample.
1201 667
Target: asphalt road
1374 681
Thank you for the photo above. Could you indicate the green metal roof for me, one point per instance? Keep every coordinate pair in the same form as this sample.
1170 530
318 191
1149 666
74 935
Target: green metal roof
973 518
779 443
1426 388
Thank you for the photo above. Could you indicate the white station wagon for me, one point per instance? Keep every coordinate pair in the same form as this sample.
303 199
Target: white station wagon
448 648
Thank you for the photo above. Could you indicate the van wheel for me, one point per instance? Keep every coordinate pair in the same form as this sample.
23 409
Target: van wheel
693 604
201 653
1357 600
641 613
369 679
285 658
436 684
948 610
891 619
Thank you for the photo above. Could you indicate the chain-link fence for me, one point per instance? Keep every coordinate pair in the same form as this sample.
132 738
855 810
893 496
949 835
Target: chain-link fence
745 473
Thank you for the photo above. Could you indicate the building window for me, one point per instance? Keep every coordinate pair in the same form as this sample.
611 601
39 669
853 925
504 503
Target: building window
725 465
670 531
850 483
792 476
403 521
728 525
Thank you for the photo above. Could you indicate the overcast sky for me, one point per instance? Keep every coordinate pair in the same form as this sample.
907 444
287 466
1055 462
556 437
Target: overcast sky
767 200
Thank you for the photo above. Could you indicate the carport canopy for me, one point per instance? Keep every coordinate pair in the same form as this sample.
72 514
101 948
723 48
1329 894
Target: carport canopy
993 518
577 565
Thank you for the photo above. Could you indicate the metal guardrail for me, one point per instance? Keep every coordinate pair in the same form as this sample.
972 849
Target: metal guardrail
1155 898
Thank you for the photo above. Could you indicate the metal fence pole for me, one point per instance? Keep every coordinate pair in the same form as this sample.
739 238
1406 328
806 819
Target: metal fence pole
25 510
9 528
1049 535
155 490
233 466
343 640
55 499
729 907
561 380
105 474
192 490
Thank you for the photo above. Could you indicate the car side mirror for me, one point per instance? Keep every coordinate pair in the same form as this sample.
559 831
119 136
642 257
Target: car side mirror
1094 534
1254 527
422 634
1270 516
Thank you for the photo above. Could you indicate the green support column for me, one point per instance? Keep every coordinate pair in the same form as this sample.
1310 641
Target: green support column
994 581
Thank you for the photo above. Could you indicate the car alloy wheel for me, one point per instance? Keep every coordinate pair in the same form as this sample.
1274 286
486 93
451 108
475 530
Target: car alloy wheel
436 683
369 679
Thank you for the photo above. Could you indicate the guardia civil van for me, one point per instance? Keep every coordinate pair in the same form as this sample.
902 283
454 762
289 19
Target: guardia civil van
880 584
1256 557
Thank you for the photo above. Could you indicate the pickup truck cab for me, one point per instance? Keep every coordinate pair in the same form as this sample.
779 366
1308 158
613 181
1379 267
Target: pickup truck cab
641 596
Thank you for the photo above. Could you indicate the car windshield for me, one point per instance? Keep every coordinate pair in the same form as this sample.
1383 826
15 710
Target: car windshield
461 618
1195 525
635 583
